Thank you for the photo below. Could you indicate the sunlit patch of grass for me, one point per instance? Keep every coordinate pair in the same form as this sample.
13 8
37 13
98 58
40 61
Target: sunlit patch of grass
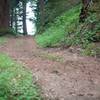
16 82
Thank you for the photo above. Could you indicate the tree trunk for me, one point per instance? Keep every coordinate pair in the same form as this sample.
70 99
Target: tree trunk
24 18
12 18
42 12
16 19
84 10
4 14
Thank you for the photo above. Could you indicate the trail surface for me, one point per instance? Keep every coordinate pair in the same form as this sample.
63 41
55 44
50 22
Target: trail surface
62 75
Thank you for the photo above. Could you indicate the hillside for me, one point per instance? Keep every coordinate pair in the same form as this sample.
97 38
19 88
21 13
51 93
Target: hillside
66 30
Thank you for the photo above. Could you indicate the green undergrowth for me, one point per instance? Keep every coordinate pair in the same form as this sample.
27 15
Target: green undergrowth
16 82
86 35
87 32
57 31
67 31
91 50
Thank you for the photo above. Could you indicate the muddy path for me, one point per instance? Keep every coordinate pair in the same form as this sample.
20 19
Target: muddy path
62 75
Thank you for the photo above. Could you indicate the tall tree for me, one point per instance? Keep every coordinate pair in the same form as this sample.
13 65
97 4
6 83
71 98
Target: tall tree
7 13
24 4
4 14
42 11
18 17
40 15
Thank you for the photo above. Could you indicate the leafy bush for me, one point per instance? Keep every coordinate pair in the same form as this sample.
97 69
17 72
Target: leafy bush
85 32
16 82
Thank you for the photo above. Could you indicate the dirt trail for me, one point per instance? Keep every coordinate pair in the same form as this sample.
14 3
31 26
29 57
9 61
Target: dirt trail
61 75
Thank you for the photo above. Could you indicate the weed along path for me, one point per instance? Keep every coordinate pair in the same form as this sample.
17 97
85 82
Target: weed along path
61 75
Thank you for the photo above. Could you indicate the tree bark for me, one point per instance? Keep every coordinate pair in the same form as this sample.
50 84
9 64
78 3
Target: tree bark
4 14
24 18
84 10
42 12
16 19
12 18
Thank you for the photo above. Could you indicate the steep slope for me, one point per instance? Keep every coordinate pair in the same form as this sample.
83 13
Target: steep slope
57 31
67 31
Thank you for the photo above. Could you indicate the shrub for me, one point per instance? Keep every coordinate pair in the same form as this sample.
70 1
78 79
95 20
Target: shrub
85 33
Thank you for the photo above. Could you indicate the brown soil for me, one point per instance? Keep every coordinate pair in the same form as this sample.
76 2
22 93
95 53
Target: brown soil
62 75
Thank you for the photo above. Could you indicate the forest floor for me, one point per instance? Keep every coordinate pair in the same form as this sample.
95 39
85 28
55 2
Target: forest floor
62 74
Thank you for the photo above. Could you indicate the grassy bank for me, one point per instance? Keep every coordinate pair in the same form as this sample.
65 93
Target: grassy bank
58 30
2 40
16 82
67 31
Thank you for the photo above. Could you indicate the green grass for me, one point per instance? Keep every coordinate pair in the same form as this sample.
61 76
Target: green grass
67 31
16 82
2 40
57 31
91 50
